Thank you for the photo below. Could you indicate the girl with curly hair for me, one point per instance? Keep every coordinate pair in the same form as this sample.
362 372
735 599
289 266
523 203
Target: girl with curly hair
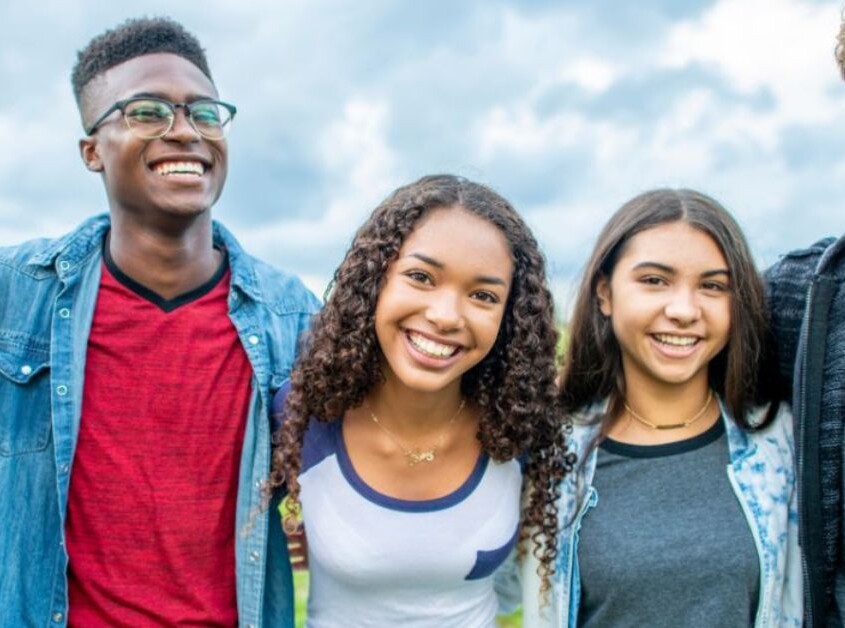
682 511
422 407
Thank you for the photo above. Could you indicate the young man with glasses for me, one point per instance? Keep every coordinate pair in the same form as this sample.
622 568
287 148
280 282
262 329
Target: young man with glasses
137 359
807 301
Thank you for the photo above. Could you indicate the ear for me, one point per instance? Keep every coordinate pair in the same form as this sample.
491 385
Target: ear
89 150
604 297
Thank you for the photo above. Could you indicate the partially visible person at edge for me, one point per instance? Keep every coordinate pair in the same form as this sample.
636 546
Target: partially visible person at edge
683 508
421 412
806 291
138 355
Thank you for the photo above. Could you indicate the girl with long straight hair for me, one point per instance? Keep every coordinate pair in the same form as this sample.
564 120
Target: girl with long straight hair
682 510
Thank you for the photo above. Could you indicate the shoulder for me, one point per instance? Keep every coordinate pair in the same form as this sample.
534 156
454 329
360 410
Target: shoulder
797 267
777 437
36 258
586 425
283 289
280 291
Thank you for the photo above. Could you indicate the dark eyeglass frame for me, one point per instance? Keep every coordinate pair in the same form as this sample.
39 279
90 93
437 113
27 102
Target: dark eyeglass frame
121 105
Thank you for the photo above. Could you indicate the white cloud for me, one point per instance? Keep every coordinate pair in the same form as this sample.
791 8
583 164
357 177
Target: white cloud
361 167
782 46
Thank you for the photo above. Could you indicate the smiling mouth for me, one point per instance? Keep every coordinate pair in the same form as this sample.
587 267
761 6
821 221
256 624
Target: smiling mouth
671 340
168 168
432 348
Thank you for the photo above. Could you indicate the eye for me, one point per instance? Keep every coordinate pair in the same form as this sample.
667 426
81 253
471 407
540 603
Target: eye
715 286
206 113
653 280
485 297
419 276
148 111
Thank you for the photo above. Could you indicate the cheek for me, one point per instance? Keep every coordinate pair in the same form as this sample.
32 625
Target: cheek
489 331
722 322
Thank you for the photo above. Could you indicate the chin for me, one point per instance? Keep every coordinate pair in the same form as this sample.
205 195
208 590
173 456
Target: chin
184 210
424 383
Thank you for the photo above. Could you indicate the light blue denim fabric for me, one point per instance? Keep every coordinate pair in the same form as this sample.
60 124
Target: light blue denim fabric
48 291
762 473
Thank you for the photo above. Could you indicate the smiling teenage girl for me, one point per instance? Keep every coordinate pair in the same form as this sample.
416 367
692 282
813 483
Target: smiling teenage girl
429 372
683 508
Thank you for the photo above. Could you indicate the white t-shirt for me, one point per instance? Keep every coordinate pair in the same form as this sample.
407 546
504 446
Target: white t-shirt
380 561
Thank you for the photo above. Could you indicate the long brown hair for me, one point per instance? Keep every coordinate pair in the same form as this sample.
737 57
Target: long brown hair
592 367
514 385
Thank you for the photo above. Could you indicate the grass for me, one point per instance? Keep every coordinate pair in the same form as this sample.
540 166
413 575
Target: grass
300 581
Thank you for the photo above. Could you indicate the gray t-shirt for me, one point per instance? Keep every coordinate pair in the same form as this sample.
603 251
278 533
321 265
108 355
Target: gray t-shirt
667 544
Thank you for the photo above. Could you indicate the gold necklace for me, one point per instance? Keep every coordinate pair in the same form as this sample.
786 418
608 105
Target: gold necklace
671 426
416 455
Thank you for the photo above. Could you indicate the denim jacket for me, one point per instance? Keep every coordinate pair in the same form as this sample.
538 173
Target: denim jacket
761 472
806 291
49 290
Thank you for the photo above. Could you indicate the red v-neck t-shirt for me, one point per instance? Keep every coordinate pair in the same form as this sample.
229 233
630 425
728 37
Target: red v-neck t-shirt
153 487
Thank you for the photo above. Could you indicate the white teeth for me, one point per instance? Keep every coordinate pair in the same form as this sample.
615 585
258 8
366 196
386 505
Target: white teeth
678 341
432 348
179 167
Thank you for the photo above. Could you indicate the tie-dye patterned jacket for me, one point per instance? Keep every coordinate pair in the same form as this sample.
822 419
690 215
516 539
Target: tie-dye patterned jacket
762 474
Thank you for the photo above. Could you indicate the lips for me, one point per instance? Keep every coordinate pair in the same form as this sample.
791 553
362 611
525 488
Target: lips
676 340
191 166
432 348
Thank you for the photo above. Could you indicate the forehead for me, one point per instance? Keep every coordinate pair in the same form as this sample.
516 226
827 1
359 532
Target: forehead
167 75
460 240
675 244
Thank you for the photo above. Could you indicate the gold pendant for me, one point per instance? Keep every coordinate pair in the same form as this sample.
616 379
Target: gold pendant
417 456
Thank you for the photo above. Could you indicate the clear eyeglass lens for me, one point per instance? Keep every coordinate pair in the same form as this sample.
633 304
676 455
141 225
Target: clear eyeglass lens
210 119
148 118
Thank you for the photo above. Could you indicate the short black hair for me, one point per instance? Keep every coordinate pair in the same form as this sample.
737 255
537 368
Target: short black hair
133 38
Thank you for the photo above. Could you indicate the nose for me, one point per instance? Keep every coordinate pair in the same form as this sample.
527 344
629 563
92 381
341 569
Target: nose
182 130
444 310
683 306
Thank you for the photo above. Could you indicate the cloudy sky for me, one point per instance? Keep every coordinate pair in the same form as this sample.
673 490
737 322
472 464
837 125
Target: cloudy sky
566 108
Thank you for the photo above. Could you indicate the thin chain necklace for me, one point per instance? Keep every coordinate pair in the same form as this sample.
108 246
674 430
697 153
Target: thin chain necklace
672 426
417 455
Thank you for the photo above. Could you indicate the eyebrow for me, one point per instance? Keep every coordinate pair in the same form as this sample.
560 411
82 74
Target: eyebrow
480 278
671 271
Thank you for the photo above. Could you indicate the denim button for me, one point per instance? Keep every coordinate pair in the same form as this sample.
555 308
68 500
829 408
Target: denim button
65 468
254 556
64 265
61 390
253 339
57 617
26 369
64 312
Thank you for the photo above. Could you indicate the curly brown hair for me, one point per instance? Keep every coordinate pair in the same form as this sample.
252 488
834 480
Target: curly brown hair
514 385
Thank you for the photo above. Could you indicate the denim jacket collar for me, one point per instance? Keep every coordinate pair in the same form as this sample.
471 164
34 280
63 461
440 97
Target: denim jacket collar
66 253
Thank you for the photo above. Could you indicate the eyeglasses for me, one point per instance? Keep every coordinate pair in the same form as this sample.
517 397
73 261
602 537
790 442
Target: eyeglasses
150 118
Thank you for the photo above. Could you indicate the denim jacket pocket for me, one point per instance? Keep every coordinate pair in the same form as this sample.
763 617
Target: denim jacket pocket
24 398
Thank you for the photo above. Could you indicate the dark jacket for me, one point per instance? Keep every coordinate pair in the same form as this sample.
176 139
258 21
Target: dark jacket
807 303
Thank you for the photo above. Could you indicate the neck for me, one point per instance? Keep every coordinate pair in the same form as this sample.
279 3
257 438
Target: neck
663 403
168 261
412 412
